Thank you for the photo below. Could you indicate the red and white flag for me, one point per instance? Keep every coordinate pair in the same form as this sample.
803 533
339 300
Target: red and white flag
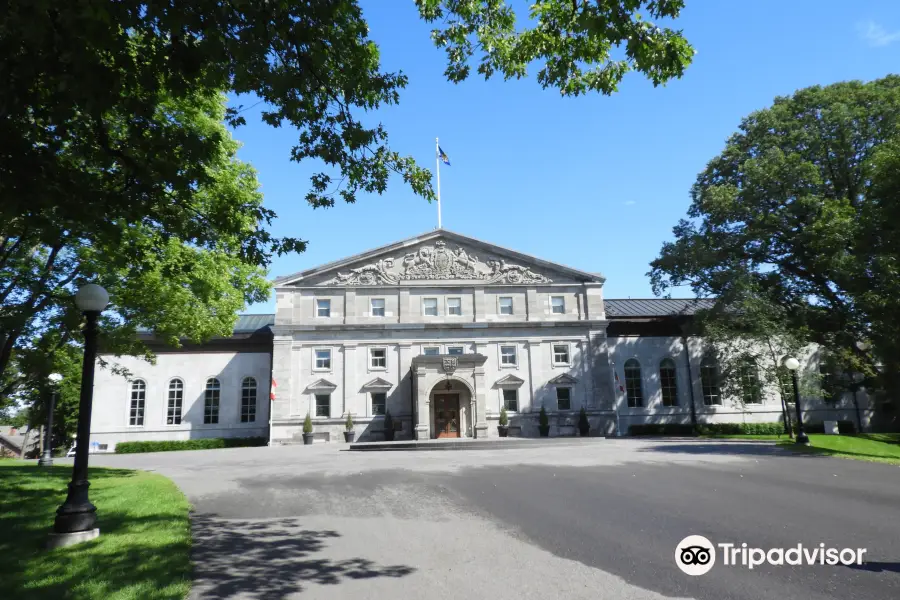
272 393
616 373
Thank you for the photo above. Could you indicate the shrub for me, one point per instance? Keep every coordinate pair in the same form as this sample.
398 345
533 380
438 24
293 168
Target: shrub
348 424
684 429
504 418
175 445
307 424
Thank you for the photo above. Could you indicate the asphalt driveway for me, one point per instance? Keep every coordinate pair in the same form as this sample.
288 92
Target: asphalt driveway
594 519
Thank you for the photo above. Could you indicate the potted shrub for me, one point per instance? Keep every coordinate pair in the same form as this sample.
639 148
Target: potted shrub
388 426
307 430
544 423
349 434
503 425
584 426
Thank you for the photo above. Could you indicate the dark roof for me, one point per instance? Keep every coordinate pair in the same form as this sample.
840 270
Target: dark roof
655 307
252 323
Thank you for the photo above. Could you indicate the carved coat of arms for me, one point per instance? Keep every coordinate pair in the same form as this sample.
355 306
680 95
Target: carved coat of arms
437 263
449 363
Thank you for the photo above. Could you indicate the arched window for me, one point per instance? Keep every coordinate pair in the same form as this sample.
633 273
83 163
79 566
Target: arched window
136 407
709 381
751 391
211 401
248 400
176 399
633 390
668 383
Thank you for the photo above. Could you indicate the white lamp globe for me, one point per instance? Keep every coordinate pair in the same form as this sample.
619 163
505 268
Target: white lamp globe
863 346
91 298
791 363
55 377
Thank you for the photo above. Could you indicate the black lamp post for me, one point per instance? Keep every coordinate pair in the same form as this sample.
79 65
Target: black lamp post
47 458
77 515
792 364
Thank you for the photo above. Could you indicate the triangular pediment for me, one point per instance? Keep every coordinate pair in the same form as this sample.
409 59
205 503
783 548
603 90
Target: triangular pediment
378 385
321 385
509 381
564 379
439 256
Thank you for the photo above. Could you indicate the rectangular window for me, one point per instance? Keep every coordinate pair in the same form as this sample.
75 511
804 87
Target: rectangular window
176 398
323 360
377 305
138 398
454 350
379 403
563 398
323 405
378 358
211 402
508 355
248 400
560 354
429 307
506 305
511 400
431 350
323 307
557 305
454 306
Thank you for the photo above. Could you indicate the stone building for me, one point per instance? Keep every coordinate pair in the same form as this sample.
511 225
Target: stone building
441 330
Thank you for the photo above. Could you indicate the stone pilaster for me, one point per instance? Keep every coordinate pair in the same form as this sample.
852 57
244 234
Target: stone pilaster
402 400
478 303
531 305
481 426
282 367
423 408
350 385
350 306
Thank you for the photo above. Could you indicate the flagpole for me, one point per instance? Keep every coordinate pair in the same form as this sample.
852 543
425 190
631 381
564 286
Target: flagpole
437 160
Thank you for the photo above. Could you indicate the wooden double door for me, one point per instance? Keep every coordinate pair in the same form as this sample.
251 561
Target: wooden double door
446 415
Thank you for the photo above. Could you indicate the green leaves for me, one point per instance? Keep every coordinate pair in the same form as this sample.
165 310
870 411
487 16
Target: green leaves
793 214
573 40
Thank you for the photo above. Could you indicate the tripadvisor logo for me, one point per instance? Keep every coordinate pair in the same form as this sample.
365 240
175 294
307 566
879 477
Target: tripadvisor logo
696 555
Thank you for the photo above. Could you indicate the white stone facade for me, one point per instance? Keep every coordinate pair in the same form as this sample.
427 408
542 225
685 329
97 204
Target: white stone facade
440 330
111 417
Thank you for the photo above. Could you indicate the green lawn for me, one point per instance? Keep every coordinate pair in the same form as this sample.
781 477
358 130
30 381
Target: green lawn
876 447
145 539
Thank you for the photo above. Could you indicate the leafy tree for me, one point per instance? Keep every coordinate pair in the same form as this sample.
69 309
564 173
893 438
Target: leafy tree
115 166
798 209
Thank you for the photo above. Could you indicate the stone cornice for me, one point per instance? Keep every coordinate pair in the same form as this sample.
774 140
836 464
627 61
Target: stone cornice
288 329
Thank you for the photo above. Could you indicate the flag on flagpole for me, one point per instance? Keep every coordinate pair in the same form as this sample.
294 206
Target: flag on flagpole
443 156
621 388
272 393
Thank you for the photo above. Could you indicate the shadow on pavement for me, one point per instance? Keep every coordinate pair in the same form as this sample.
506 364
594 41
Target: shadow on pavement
877 567
269 559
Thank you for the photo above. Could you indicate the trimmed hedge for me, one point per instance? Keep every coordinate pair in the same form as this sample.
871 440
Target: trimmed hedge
772 428
201 444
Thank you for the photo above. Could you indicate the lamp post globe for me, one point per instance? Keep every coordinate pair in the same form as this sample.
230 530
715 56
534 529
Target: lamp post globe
47 458
76 517
91 298
792 364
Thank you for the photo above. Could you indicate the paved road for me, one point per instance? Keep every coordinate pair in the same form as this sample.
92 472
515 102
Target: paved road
596 519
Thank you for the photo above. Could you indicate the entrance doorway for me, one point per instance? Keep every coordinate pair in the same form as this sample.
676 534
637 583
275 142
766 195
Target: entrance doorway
446 415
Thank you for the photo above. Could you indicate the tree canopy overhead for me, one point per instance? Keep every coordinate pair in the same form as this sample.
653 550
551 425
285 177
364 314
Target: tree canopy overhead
115 166
798 208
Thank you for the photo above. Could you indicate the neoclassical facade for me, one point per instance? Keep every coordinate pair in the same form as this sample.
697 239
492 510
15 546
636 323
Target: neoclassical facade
441 330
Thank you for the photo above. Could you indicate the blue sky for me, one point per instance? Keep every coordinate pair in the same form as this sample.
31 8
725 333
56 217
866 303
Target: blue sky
594 182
